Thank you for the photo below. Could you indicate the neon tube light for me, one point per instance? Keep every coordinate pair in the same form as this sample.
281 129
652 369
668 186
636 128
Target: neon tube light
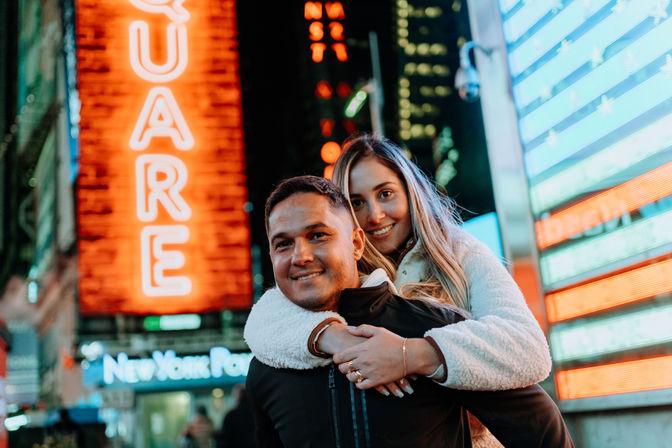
506 5
620 111
583 176
629 331
601 79
603 207
618 378
562 25
577 53
622 289
585 257
524 19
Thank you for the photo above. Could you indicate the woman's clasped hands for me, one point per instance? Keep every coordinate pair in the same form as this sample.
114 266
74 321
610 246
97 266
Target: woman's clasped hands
385 361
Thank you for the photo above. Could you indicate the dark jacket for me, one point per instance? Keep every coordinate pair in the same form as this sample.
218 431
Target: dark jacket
321 408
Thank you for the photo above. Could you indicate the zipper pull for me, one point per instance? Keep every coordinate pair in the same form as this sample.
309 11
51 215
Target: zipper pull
332 381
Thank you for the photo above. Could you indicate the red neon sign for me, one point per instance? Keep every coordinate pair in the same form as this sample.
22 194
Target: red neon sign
600 208
616 378
162 186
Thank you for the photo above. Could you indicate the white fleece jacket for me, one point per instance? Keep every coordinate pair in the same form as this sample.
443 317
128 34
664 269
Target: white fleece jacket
502 347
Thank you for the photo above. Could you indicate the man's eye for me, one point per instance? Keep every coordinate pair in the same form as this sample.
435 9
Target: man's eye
281 245
319 235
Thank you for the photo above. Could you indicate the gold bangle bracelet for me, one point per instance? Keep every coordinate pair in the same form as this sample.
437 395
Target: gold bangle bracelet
403 353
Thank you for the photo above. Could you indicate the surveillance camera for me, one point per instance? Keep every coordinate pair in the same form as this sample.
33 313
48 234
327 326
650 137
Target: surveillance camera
468 84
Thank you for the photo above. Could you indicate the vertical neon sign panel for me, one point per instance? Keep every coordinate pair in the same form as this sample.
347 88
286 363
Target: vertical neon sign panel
162 186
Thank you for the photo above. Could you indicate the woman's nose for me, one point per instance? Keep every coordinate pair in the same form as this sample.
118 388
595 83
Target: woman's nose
376 214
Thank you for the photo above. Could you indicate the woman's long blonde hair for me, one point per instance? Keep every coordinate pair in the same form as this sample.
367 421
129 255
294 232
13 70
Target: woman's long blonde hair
433 218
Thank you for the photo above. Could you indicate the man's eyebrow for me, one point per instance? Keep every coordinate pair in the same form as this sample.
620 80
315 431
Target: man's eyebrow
313 226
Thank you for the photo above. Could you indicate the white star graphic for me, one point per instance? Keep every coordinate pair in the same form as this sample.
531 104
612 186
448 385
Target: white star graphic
545 93
552 139
667 68
619 6
597 57
556 6
564 46
630 62
605 105
536 42
573 98
659 11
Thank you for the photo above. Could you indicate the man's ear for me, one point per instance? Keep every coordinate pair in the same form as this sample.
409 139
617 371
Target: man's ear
358 241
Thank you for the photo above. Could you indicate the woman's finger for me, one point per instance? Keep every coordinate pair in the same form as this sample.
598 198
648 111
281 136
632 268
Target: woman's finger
346 355
383 390
363 330
405 385
346 367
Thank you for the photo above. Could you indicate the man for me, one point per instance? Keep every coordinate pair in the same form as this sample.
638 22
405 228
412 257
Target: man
314 247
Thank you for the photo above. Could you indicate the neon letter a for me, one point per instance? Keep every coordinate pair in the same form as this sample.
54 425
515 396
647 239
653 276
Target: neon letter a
161 117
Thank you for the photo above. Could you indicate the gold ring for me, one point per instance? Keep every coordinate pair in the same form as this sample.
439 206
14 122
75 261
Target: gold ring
351 368
360 377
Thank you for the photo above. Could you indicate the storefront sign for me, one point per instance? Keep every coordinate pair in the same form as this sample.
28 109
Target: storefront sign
167 366
162 187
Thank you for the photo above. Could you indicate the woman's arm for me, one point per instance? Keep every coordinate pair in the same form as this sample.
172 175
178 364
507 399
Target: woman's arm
503 347
277 331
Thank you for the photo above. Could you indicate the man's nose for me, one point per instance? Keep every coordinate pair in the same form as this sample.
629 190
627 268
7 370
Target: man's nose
302 253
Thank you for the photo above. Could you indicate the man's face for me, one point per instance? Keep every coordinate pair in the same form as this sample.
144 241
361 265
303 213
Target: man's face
314 249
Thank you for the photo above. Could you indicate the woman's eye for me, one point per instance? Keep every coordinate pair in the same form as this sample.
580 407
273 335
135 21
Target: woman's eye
356 203
386 194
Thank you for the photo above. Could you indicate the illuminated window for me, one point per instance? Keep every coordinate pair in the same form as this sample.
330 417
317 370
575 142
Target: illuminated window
424 69
335 10
318 49
343 89
341 51
316 31
312 10
336 30
323 90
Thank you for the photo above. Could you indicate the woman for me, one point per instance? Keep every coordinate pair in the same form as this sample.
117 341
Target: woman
413 234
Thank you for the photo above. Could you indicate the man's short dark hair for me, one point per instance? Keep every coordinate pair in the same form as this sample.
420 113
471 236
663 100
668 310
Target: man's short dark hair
306 184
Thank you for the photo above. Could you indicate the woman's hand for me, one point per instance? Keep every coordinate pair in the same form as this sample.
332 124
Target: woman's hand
337 338
380 359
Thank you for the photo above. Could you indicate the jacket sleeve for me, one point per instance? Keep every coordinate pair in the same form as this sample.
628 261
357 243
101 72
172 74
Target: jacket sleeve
277 332
265 433
525 417
503 347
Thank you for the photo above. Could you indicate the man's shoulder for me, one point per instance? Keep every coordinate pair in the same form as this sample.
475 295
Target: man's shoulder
432 313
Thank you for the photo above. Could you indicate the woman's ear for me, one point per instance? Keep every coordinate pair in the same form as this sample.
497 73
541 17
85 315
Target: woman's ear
358 241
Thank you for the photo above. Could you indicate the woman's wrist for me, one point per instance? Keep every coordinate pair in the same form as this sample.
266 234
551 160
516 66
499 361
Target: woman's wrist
421 357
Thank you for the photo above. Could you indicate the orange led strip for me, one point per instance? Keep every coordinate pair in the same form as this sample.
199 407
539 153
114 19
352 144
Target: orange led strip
618 378
618 290
610 204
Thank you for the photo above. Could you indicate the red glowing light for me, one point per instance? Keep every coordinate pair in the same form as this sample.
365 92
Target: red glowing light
323 90
318 49
330 152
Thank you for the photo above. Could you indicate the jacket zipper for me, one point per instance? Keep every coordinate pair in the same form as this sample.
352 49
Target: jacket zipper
334 406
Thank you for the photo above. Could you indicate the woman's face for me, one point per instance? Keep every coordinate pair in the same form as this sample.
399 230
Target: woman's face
381 204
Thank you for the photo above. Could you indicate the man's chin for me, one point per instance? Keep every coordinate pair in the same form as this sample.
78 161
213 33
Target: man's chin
311 302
